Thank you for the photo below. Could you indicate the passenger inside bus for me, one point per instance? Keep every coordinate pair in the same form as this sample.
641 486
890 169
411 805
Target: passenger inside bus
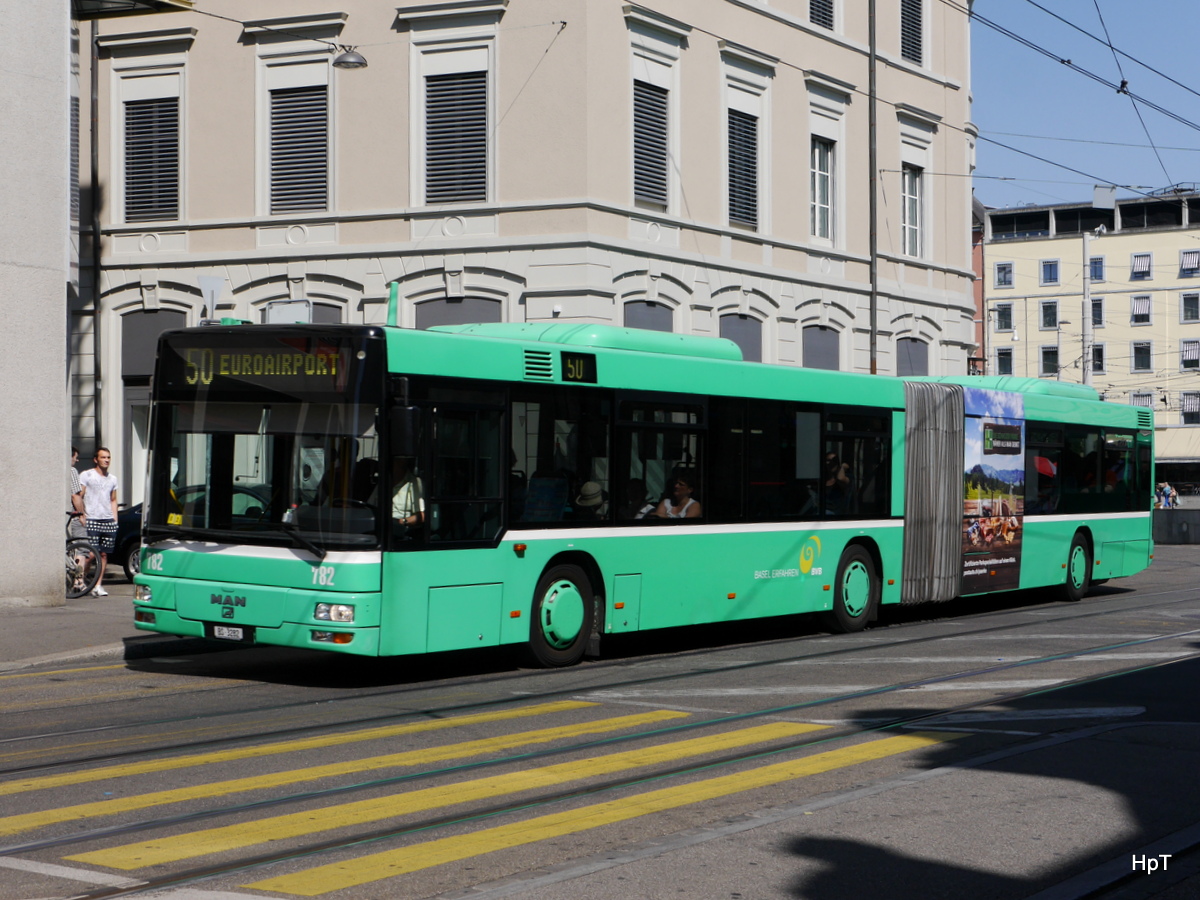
680 504
408 496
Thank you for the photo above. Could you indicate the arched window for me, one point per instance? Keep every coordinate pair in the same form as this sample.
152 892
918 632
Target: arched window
457 311
649 315
139 341
912 357
820 347
746 332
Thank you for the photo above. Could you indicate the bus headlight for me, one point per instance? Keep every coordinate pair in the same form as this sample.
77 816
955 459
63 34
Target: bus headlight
142 593
334 612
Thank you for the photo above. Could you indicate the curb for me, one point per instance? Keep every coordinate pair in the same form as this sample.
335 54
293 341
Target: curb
129 650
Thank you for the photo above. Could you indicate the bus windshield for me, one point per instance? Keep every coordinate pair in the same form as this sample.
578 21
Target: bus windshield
246 453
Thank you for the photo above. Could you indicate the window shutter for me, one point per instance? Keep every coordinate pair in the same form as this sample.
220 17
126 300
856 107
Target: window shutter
1190 401
1141 264
820 12
456 137
152 159
912 31
649 143
1191 261
743 168
1141 308
299 149
1191 354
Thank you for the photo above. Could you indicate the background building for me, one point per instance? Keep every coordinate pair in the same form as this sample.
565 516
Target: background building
702 167
1143 266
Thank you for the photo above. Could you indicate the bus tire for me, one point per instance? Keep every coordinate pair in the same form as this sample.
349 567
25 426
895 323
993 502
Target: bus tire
855 592
1079 569
563 608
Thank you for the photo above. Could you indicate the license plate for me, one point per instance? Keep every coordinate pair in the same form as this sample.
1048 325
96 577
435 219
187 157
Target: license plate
229 632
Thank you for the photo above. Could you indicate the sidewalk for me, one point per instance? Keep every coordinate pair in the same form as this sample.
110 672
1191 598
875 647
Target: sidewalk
99 628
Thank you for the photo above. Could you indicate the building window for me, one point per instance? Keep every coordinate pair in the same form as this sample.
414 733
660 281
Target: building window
821 189
299 152
1096 269
1004 318
650 142
1049 270
912 357
747 78
819 344
152 160
1049 315
1189 263
1097 312
1140 267
912 30
649 315
1189 308
456 137
743 168
1189 355
1004 361
912 212
1139 309
1189 408
1142 356
1141 399
820 12
746 332
1004 274
1098 358
1049 359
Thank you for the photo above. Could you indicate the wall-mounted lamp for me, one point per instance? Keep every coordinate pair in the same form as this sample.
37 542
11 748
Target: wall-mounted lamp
349 58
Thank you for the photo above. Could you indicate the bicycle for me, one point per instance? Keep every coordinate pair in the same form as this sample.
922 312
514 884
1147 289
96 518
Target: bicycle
83 563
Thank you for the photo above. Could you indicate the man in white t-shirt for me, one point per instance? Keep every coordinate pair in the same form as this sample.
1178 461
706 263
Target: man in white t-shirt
100 510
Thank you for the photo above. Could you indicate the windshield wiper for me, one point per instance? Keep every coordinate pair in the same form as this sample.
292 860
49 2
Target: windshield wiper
290 529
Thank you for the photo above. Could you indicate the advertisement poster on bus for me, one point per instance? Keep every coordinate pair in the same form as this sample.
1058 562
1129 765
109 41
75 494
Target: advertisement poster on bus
993 491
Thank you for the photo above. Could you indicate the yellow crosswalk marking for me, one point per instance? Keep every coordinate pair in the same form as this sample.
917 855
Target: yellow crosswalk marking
377 866
26 821
279 828
258 751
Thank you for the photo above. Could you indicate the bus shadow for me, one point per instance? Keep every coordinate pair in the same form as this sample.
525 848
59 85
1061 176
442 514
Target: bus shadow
1027 817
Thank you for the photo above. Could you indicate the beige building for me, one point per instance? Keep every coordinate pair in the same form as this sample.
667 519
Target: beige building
702 166
1141 320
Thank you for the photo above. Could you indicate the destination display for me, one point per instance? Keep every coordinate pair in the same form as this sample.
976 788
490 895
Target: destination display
229 362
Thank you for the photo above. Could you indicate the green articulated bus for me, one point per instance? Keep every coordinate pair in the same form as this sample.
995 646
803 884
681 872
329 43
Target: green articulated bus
383 491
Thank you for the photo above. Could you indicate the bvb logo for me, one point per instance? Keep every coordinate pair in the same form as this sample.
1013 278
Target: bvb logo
809 553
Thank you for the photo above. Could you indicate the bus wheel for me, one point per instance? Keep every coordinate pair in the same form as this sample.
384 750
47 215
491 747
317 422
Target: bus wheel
1079 569
562 617
855 592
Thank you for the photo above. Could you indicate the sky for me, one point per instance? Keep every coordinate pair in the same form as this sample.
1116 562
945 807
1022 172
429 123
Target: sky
1040 107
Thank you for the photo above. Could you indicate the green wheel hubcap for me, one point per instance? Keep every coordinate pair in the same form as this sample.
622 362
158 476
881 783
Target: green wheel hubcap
1078 567
856 589
562 614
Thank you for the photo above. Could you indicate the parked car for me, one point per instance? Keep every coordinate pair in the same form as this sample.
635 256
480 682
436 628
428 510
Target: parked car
129 520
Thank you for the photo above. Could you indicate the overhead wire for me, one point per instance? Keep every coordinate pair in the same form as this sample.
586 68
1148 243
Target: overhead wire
1124 89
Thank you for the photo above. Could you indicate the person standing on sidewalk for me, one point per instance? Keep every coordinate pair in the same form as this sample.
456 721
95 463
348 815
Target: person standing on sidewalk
75 496
100 506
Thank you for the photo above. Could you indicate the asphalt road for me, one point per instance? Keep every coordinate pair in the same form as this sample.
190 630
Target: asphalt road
1010 747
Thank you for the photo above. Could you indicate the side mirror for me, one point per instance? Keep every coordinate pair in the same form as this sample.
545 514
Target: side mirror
404 428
